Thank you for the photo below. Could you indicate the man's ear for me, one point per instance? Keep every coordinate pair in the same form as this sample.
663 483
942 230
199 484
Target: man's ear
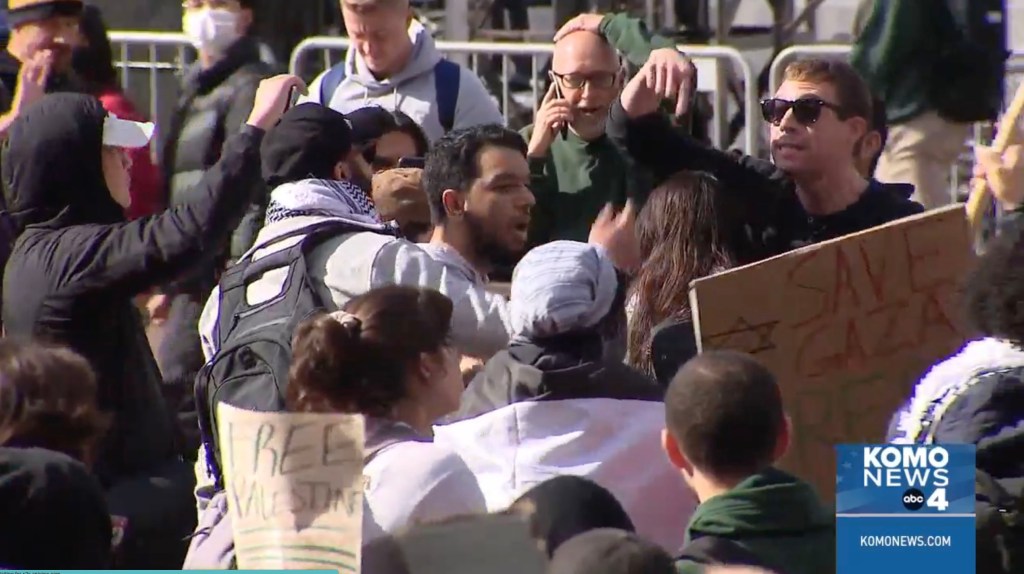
858 128
409 16
452 202
340 171
872 143
675 455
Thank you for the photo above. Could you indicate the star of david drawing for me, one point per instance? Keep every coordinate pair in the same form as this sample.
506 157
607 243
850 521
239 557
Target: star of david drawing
763 332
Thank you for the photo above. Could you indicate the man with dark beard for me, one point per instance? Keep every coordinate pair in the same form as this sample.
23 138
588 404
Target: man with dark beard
477 181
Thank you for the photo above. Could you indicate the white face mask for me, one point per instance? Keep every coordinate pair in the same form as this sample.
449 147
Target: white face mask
211 30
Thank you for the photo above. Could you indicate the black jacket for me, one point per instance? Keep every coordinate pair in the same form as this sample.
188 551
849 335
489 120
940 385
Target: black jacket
775 220
76 265
561 368
213 105
54 513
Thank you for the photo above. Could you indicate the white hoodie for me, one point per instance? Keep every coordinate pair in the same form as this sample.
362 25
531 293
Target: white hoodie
411 90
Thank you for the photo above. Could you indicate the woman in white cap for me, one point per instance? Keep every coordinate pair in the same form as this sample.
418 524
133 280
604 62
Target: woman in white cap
76 266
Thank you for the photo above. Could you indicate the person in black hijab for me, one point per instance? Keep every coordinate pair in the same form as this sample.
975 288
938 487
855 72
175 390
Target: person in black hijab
76 267
566 506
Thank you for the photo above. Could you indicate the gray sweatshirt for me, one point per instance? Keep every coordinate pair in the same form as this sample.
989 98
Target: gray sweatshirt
411 90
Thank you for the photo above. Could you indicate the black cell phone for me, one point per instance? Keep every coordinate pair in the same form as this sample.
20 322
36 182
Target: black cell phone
564 130
293 97
415 162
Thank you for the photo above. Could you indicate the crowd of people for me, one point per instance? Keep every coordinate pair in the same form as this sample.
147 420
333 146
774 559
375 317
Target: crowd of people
336 252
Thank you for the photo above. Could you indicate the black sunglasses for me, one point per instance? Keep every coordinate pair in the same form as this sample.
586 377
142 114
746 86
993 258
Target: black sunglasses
805 110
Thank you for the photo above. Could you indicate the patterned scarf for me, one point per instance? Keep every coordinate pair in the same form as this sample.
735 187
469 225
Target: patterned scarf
324 198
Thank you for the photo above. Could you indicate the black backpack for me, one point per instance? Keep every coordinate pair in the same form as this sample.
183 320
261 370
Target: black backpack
998 503
999 523
970 71
254 342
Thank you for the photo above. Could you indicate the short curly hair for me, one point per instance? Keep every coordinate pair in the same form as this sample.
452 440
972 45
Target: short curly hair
994 290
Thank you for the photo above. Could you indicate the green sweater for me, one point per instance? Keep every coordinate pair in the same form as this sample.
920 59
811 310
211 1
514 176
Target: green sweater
577 178
575 181
775 516
898 51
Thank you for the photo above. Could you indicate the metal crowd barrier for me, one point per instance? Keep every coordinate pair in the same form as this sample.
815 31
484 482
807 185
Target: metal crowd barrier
494 61
150 66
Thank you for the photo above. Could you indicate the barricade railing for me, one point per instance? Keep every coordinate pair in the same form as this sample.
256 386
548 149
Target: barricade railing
150 65
321 52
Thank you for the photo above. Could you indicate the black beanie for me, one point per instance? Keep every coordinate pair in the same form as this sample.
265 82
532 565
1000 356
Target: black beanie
307 143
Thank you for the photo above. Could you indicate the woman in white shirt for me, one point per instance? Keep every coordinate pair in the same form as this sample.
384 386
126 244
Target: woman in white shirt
388 356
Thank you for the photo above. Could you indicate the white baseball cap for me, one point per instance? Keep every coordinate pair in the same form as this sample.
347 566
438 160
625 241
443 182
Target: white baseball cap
125 133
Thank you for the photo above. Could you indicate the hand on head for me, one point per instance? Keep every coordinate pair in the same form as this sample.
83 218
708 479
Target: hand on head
581 23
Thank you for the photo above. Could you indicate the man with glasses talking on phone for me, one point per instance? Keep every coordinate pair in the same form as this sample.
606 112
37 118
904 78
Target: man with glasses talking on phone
819 120
575 169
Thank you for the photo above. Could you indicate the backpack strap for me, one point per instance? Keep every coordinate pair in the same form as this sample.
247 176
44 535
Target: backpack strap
447 77
710 549
330 82
237 277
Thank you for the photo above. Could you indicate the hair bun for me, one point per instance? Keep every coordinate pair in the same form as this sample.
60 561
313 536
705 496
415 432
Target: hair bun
352 324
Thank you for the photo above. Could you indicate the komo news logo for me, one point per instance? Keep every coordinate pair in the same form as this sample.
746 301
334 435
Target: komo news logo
921 470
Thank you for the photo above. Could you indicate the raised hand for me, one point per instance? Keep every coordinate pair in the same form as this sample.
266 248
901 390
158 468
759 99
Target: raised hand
616 233
32 78
272 98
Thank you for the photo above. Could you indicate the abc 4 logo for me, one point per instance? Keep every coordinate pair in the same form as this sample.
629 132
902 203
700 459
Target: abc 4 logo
914 499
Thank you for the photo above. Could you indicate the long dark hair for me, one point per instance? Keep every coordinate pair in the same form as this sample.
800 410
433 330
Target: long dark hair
687 230
361 363
94 63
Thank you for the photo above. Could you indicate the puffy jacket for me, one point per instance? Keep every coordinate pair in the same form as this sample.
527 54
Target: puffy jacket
213 105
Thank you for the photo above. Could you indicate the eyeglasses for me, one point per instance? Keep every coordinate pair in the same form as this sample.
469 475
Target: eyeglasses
805 110
603 80
212 4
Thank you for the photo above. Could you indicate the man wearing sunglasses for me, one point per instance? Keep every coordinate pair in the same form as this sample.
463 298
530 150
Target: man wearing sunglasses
818 120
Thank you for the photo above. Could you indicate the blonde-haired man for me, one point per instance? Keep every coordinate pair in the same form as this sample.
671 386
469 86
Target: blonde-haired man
393 63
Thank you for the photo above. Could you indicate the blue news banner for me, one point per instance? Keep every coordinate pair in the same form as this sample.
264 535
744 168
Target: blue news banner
904 508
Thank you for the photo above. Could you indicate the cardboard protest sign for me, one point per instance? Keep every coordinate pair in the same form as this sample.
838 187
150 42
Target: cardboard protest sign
847 327
295 488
